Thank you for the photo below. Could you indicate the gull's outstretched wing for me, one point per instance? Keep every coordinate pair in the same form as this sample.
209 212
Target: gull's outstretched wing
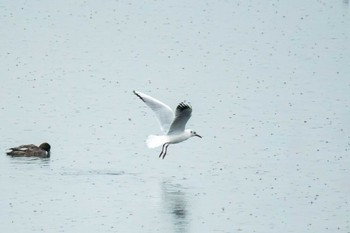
163 112
183 113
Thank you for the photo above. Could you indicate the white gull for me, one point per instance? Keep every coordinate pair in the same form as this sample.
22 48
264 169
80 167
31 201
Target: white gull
173 125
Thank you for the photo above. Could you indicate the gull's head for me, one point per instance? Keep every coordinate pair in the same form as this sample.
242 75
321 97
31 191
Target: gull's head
193 133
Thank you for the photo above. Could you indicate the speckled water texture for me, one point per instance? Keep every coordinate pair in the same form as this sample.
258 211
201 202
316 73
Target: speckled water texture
270 89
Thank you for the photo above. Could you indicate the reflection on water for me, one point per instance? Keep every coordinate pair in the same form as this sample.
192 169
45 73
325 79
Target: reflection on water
174 201
76 172
29 160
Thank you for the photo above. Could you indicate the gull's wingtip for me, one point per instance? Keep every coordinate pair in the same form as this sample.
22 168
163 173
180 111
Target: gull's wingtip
138 95
183 106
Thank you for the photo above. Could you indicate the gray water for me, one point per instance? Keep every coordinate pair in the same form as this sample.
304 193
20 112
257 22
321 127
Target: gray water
269 85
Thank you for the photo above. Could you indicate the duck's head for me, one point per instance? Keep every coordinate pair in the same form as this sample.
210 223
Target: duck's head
45 146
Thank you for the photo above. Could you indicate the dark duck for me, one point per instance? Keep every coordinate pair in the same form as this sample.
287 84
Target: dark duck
30 150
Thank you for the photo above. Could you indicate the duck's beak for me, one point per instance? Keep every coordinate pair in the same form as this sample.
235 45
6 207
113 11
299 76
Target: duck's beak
198 135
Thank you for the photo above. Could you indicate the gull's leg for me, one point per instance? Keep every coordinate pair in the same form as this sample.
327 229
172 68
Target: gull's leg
165 151
161 153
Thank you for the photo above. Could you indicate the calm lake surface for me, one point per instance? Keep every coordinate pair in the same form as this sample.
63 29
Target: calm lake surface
270 89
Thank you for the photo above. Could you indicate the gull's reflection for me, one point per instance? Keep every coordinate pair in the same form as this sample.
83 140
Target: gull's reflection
174 202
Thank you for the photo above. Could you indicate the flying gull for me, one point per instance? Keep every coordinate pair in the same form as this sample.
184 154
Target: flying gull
172 124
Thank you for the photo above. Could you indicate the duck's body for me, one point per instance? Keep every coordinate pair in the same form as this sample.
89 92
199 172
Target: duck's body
30 150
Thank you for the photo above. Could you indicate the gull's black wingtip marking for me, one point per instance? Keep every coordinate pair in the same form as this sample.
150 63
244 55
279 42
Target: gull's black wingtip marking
183 106
138 95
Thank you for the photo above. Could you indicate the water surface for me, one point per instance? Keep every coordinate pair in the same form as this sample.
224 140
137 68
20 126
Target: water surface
269 84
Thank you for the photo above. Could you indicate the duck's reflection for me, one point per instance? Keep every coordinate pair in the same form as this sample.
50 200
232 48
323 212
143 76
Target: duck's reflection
174 202
30 160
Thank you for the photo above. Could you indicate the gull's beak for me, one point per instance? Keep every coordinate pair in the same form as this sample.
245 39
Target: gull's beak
198 135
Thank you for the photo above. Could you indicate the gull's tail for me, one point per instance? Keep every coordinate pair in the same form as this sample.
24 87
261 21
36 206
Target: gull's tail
154 141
